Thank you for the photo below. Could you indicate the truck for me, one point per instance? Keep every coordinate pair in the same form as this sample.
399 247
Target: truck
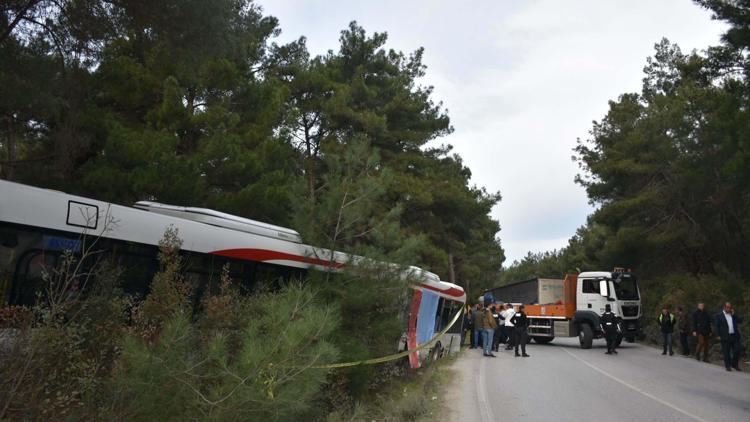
571 307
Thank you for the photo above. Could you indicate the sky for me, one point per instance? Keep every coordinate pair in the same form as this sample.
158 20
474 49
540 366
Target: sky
522 81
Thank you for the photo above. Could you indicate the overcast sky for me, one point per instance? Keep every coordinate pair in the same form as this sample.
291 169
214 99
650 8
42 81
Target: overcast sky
522 80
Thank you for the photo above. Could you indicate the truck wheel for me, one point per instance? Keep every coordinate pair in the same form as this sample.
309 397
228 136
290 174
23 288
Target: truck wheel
630 339
543 340
586 336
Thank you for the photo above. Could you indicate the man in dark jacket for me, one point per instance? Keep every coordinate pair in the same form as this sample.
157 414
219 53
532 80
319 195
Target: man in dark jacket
683 325
728 331
701 330
468 324
666 322
496 333
521 322
609 321
476 318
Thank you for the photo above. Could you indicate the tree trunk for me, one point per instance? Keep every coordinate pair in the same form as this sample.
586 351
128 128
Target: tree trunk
451 269
9 169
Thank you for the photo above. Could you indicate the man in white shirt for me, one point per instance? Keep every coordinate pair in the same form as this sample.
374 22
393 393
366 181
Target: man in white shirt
728 331
510 329
503 331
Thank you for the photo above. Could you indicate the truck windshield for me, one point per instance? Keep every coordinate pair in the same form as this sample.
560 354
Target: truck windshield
626 288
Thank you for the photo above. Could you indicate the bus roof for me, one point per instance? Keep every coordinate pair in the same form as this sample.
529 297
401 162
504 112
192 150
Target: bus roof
221 219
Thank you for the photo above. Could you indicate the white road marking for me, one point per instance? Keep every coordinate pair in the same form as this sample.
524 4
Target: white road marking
634 388
486 411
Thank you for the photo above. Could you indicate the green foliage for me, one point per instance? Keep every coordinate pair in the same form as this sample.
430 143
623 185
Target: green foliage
56 356
346 213
245 357
256 367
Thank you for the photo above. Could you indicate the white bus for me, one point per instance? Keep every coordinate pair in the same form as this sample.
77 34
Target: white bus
37 225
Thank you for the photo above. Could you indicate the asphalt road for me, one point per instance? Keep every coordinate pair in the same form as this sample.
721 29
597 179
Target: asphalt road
562 382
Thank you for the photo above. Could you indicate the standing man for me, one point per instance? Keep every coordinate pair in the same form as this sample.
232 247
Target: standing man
728 330
666 322
702 330
468 323
489 331
683 325
501 323
521 322
510 328
496 332
476 317
608 321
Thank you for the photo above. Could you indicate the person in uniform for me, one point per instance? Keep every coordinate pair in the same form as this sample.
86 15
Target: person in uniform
609 321
521 322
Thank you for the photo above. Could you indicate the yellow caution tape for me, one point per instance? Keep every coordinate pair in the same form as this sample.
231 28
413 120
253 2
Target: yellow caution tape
394 356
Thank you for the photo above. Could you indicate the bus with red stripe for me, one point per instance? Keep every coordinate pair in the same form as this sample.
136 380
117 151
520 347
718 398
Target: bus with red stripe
37 225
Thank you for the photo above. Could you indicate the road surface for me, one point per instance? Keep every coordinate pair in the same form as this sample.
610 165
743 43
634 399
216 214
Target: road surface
562 382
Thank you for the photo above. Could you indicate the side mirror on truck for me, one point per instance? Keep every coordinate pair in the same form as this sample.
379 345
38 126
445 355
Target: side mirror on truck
604 288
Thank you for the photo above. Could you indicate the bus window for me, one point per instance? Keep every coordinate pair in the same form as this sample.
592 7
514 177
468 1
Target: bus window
454 307
271 277
439 315
30 274
8 251
137 273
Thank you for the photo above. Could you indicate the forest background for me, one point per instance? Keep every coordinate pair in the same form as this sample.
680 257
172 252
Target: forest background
192 102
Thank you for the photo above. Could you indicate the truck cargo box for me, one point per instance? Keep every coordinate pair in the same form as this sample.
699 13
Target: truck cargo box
543 291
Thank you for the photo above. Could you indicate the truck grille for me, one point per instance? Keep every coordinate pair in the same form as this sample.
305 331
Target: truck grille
630 311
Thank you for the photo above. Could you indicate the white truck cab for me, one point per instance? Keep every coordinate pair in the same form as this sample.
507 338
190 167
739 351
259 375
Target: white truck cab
619 289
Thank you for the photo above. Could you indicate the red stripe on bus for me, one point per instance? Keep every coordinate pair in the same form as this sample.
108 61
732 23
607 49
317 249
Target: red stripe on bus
411 332
263 255
450 292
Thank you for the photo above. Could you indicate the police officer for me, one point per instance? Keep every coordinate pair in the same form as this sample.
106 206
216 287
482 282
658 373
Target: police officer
609 321
521 322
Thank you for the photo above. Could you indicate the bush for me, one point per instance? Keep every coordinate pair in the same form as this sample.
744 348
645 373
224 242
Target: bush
57 354
259 366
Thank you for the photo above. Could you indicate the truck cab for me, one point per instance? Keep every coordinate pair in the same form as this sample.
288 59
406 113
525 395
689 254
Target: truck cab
596 289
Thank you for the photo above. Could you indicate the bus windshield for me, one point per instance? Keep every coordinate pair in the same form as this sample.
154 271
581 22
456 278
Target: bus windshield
626 288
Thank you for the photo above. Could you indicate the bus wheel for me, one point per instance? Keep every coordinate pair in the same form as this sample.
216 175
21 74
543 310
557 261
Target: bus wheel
436 352
586 336
542 340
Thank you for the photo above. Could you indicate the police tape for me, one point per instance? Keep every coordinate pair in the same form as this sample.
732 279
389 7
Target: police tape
399 355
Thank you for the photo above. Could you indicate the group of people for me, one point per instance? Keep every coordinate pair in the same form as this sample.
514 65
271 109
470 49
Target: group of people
498 324
725 324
